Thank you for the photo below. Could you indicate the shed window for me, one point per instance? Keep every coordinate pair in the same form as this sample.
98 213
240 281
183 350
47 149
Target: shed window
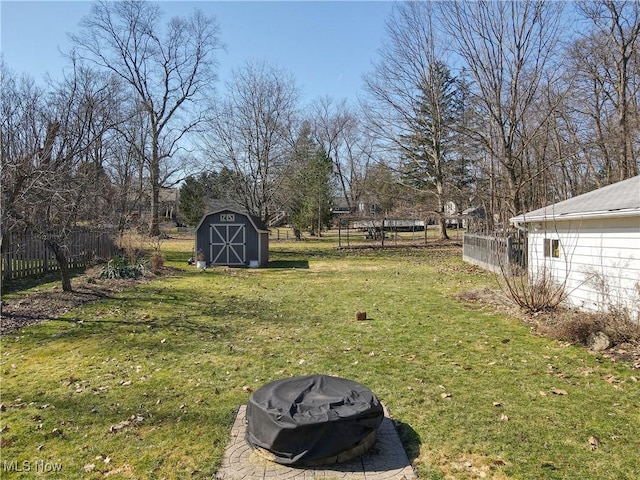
551 248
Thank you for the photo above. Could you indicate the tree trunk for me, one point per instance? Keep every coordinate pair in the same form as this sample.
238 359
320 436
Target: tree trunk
61 258
426 232
442 221
4 246
442 225
154 170
514 204
154 222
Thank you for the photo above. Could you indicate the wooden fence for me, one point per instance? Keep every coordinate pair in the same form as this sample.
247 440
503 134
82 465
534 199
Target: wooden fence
497 254
25 255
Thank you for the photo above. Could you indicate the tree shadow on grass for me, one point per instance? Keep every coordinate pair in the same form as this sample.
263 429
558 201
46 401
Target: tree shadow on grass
163 336
213 318
289 264
32 281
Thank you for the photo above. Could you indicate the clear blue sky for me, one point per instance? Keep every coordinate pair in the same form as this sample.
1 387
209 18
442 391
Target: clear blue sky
326 45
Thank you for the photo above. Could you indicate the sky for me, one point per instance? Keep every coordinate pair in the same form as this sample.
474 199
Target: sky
327 45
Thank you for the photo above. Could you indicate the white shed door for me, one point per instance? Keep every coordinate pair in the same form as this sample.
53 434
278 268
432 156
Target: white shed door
228 244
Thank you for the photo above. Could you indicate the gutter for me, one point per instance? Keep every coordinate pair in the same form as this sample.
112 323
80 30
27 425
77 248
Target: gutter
524 219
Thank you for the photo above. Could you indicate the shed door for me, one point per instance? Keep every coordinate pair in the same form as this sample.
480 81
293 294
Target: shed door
228 245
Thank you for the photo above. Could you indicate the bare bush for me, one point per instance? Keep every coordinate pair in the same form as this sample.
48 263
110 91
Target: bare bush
567 325
611 298
157 261
618 317
576 327
619 327
533 294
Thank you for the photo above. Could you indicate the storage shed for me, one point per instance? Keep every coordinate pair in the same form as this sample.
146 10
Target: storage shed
591 244
233 238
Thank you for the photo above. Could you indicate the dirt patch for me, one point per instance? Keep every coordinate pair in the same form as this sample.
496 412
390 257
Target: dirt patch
566 325
38 306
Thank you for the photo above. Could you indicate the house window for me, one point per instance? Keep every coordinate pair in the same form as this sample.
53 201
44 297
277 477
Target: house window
551 248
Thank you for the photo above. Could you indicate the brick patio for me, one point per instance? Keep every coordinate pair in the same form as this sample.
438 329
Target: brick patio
386 460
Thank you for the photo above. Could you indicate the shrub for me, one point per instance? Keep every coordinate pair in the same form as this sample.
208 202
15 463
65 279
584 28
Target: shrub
569 325
120 267
619 326
533 295
576 327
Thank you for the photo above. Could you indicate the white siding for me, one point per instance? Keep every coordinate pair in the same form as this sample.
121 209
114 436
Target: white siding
605 249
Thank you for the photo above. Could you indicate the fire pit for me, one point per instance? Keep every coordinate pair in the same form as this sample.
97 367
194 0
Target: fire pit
312 420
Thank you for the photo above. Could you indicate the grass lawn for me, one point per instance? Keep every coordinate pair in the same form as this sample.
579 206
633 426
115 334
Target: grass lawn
146 384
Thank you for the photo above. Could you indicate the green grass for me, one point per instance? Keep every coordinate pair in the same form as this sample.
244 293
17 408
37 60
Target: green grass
470 388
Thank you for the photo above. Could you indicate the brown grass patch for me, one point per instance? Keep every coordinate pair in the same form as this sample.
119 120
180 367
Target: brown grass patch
467 465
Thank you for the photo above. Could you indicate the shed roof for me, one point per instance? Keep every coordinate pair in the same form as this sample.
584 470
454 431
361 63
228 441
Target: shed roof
617 199
256 221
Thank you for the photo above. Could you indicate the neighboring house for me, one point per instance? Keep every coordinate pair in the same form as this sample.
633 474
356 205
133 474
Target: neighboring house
452 216
215 204
139 205
234 238
591 244
472 217
168 202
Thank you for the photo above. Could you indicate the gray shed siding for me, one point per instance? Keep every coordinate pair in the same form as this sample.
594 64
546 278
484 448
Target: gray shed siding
232 238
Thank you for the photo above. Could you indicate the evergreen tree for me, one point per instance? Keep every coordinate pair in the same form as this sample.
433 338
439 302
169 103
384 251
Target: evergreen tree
417 106
310 185
196 190
432 159
191 200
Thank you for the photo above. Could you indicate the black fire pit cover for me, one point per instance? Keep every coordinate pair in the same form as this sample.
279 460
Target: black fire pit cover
303 420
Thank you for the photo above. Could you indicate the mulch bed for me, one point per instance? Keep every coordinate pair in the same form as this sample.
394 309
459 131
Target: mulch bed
38 306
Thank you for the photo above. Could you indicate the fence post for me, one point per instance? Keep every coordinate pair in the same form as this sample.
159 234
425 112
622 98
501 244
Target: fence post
8 257
45 254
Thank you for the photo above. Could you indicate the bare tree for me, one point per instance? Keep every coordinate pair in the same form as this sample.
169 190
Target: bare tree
606 63
336 127
417 104
251 133
126 167
168 69
52 157
21 140
507 48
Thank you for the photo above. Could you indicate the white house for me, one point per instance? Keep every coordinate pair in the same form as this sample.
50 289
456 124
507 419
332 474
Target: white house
591 244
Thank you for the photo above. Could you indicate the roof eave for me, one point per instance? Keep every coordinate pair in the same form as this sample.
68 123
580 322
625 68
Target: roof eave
236 211
628 212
